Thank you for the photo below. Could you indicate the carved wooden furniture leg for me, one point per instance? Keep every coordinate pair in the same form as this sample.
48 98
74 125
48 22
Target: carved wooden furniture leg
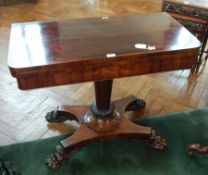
156 141
103 120
197 148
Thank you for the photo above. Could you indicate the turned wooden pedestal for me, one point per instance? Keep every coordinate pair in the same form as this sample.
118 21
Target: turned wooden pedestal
103 120
98 50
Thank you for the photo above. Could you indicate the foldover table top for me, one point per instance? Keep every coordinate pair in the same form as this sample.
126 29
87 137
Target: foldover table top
53 53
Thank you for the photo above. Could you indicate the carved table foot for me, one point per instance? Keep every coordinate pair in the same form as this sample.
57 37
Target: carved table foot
197 148
156 142
57 159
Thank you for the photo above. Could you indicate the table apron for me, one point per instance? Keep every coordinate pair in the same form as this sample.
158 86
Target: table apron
105 70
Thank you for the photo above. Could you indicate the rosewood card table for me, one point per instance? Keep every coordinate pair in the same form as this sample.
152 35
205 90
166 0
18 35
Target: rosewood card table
43 54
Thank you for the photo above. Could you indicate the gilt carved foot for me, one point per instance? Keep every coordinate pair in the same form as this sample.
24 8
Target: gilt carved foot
197 148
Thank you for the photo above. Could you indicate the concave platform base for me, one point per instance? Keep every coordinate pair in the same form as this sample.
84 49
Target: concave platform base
85 135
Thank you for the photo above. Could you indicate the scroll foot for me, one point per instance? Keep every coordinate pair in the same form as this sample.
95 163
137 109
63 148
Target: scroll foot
198 149
157 142
59 116
136 105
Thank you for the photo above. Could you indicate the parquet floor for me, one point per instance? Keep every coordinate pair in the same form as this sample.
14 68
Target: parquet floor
22 112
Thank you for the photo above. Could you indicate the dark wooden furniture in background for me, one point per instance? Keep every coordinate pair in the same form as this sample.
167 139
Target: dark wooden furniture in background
98 49
12 2
193 14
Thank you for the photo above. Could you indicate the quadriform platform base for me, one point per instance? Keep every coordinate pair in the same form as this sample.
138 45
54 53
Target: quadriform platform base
99 124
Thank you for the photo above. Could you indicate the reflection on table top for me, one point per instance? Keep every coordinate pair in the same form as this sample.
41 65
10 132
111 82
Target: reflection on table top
44 43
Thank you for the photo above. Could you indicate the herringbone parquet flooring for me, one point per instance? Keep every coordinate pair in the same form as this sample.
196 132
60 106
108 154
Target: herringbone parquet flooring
22 112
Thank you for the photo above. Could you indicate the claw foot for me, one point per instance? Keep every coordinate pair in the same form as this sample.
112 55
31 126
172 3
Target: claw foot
136 105
198 149
56 159
157 142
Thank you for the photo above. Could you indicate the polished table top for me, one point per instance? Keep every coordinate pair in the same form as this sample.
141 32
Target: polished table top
53 53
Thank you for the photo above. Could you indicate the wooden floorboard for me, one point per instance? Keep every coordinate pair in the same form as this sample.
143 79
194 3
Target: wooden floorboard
22 112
